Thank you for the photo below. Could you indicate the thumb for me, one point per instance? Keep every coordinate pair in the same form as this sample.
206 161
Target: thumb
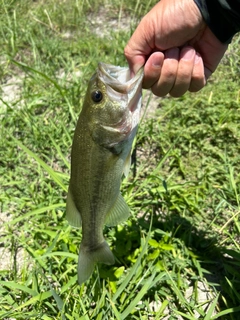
139 46
135 62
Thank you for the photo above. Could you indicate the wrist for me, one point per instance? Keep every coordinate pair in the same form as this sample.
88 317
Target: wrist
221 16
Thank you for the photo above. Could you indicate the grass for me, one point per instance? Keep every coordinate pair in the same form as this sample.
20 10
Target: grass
178 256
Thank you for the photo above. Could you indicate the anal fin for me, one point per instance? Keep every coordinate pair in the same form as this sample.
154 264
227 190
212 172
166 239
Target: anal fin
118 213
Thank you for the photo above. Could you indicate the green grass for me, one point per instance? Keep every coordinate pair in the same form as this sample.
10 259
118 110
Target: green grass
184 231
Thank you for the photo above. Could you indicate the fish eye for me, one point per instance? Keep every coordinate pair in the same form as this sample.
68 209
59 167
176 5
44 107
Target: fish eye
97 96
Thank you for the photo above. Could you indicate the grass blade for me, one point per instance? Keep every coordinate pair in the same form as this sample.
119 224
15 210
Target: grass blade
53 174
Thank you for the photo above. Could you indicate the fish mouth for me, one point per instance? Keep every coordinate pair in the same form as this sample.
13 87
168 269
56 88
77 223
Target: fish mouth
120 86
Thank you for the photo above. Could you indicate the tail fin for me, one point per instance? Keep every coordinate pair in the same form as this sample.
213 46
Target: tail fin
87 260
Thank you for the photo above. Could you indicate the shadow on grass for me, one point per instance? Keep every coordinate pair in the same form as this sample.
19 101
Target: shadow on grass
220 265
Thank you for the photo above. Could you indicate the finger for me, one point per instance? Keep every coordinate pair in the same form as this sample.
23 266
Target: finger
135 58
168 73
184 72
135 63
140 45
152 69
198 80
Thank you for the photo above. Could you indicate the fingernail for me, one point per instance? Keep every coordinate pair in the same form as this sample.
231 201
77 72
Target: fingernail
197 58
156 61
188 54
156 64
135 69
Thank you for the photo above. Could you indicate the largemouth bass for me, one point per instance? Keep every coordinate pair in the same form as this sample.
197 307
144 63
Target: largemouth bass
101 153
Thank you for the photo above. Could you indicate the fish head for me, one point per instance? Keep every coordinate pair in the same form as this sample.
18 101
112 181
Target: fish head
112 105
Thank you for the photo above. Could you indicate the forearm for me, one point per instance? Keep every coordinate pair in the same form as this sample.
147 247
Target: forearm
222 17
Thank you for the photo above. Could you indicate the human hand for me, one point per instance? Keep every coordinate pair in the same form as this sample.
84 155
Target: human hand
178 49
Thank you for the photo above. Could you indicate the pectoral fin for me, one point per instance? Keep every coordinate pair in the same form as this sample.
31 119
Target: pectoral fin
127 164
73 215
118 213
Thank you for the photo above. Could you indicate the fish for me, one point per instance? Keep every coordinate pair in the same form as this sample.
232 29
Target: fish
101 154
